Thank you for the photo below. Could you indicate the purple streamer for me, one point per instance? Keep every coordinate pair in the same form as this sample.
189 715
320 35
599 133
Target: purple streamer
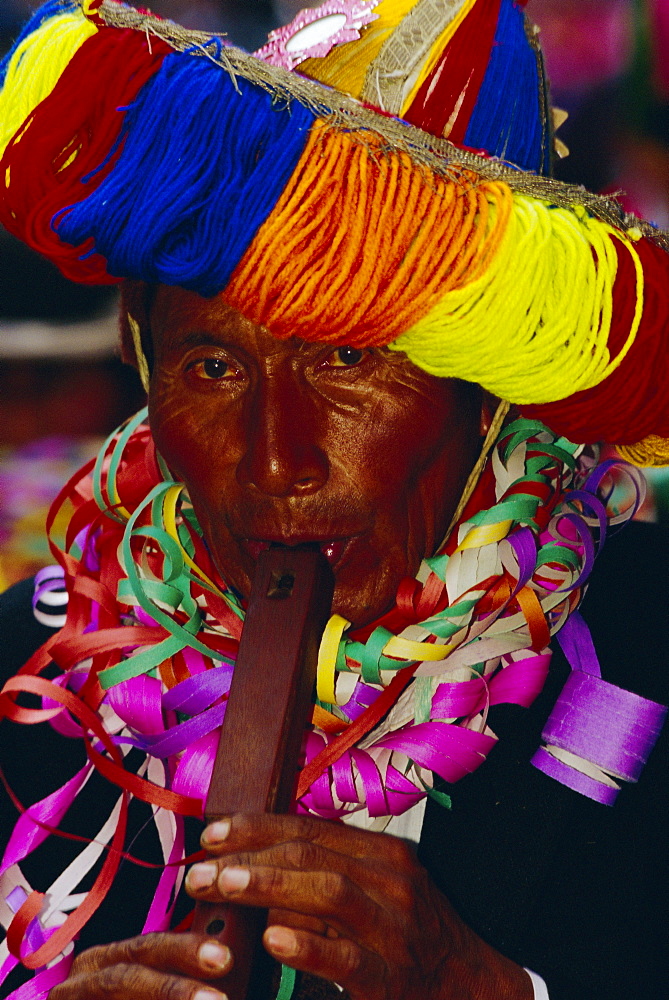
586 544
193 773
577 645
597 721
576 780
199 692
600 722
179 737
48 579
456 699
137 702
524 545
343 779
162 906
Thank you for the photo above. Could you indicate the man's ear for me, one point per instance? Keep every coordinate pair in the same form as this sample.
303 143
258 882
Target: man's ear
136 345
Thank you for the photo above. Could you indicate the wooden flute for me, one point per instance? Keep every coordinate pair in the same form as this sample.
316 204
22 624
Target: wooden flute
268 709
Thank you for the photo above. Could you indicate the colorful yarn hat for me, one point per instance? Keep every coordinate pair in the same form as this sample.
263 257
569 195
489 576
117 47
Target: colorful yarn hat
393 189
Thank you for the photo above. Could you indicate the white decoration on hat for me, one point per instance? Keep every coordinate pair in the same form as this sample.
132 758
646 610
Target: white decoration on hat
315 31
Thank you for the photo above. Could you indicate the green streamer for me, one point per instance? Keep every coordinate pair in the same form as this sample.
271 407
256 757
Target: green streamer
115 460
422 694
287 984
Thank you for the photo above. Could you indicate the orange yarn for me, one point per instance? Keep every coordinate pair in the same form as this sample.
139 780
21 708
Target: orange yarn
359 247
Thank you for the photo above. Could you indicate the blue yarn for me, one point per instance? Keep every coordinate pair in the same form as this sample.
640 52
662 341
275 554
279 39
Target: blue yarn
211 162
42 14
507 117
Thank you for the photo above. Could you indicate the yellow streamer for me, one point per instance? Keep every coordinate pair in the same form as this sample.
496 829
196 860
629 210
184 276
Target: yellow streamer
170 522
36 66
407 649
327 659
115 499
484 534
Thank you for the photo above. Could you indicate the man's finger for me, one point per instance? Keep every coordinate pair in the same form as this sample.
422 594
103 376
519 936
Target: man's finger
338 960
288 918
132 982
328 895
254 832
188 954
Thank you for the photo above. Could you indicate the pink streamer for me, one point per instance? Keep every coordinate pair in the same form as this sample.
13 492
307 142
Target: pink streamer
41 985
27 834
138 702
521 681
449 751
374 793
162 906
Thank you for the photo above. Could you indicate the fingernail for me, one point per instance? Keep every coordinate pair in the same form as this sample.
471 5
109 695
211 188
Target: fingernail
201 876
213 955
210 995
281 941
216 832
234 879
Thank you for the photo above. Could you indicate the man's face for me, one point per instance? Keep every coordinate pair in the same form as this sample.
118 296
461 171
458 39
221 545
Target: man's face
292 442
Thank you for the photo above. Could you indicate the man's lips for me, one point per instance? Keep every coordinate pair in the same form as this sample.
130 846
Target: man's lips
332 549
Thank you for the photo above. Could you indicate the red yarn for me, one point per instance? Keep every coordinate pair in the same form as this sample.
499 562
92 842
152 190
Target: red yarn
632 402
459 71
83 114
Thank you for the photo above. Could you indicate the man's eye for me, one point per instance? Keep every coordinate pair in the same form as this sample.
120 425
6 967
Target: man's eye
212 368
346 357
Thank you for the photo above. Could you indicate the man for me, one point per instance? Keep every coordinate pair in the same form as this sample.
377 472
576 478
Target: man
276 401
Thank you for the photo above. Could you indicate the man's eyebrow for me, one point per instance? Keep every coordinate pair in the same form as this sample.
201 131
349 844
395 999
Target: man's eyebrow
196 338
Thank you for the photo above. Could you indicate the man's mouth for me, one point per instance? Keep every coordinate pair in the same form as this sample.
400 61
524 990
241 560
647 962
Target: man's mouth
332 549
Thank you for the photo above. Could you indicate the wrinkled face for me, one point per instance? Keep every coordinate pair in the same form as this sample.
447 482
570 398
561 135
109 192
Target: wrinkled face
293 442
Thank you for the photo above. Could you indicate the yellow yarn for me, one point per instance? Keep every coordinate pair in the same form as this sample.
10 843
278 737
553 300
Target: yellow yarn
438 47
345 67
546 298
36 66
650 451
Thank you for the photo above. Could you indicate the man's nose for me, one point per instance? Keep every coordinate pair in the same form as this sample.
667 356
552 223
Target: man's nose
282 456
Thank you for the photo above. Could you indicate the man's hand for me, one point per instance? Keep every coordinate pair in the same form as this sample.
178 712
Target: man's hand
352 907
150 967
347 905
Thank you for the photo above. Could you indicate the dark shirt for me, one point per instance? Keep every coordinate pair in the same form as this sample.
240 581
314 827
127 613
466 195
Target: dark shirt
569 888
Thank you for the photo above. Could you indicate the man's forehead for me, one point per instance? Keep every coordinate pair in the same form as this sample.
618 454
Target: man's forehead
181 320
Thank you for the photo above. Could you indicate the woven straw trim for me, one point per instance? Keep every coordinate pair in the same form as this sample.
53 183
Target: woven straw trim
405 50
343 112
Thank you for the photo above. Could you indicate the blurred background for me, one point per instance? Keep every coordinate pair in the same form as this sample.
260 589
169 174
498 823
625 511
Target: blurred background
62 386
